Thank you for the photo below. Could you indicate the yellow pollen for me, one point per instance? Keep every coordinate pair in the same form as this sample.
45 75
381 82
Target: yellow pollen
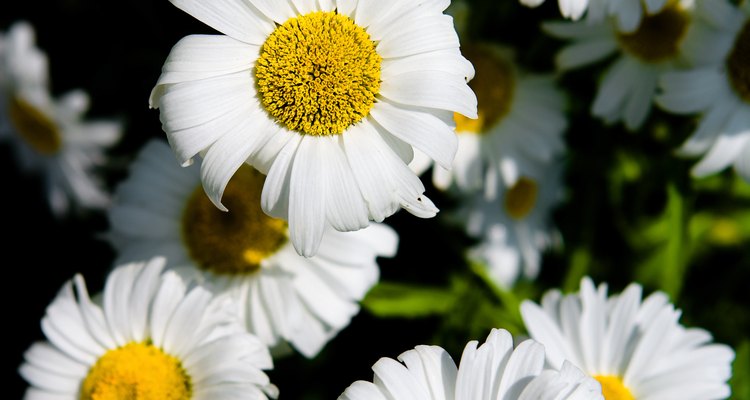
234 242
521 198
738 64
36 128
493 83
659 36
613 388
318 74
136 371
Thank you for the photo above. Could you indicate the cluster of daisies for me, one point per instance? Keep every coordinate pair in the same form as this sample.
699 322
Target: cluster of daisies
254 230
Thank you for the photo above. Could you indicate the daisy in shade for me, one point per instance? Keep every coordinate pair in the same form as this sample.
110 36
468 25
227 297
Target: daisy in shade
49 135
628 86
153 337
718 87
635 348
519 126
516 227
283 297
491 371
325 97
628 14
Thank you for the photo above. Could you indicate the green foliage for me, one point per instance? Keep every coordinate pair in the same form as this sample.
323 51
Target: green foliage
741 372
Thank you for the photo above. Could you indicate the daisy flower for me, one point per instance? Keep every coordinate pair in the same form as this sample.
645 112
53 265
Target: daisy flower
493 370
282 296
325 97
516 227
49 135
635 348
153 337
628 86
718 87
519 126
628 14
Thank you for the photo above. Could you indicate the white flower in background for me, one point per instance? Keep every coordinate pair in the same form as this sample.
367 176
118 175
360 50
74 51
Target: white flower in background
635 349
282 297
628 86
326 98
515 228
626 13
491 371
519 127
49 135
718 87
152 337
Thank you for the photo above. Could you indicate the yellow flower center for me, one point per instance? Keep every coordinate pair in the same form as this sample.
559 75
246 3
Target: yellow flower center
318 73
494 82
520 199
659 36
738 63
613 388
136 371
233 242
36 128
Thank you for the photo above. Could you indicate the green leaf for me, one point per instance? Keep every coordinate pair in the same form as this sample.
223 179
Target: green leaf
741 372
389 299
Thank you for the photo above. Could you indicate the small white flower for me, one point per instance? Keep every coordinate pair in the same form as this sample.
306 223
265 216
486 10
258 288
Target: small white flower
518 130
635 349
49 135
491 371
718 87
627 13
572 9
282 297
153 337
629 84
327 98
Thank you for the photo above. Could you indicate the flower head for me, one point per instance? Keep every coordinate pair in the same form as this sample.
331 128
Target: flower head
281 296
326 98
153 337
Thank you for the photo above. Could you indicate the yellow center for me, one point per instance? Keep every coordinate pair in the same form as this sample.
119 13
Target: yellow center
659 36
318 73
521 198
738 63
233 242
36 128
493 83
136 371
613 388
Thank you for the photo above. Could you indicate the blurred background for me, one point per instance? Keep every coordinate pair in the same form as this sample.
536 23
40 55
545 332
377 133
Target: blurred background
631 211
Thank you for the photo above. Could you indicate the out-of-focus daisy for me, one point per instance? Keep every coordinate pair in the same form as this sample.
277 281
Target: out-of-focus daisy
50 136
162 209
718 87
628 14
152 337
491 371
519 126
635 349
516 227
627 88
326 98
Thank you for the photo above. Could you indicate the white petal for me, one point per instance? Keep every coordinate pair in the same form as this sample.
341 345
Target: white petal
274 198
432 89
728 145
307 195
346 209
231 17
422 35
361 390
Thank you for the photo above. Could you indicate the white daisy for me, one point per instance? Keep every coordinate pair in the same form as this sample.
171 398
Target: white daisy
627 88
626 13
516 227
635 349
49 135
325 97
283 297
494 370
718 87
153 337
519 126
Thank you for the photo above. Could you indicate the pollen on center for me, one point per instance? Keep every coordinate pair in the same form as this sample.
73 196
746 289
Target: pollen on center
234 242
613 388
494 84
521 198
318 74
659 36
